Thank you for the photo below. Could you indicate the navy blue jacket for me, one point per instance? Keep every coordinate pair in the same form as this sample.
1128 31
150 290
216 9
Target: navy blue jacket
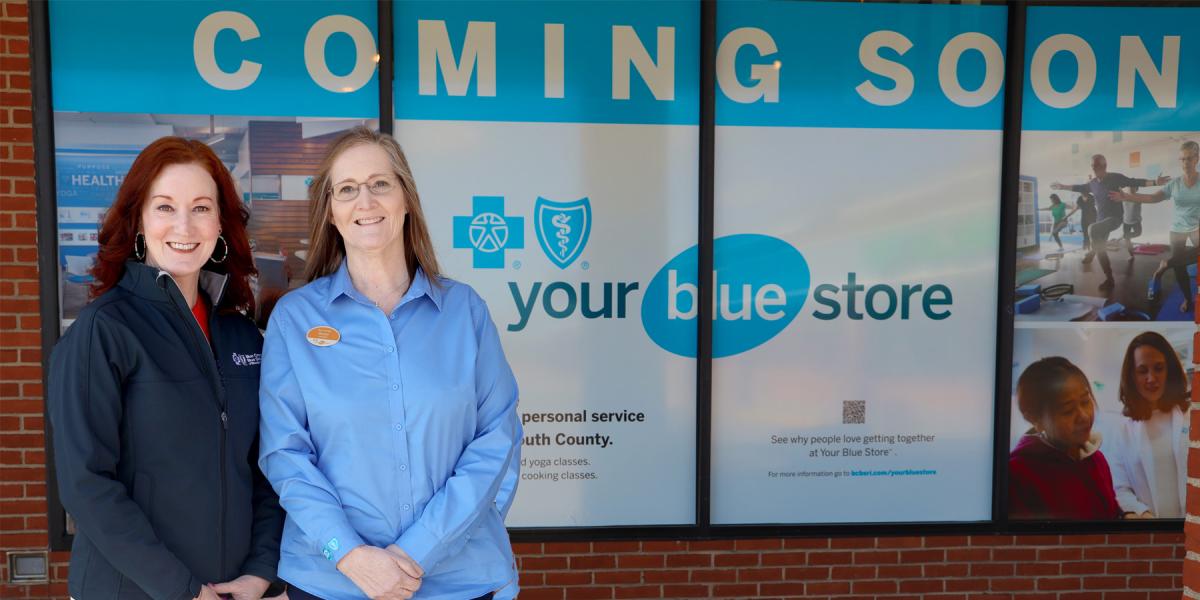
155 444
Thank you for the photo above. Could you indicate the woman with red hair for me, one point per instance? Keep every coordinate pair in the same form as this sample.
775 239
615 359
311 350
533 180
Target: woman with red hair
153 395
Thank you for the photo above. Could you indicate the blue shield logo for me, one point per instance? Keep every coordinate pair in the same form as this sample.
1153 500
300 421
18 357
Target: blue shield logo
562 228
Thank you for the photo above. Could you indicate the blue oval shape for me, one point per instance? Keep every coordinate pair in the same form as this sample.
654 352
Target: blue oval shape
760 284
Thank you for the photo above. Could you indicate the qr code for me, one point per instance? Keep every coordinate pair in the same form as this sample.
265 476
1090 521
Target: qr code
854 412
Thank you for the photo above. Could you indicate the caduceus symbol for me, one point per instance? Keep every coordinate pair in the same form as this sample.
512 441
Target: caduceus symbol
560 222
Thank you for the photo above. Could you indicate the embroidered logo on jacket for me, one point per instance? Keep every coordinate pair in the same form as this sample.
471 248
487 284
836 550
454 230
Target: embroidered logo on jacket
247 360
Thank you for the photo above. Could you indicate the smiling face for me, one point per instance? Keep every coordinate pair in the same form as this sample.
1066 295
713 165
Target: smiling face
372 222
1149 373
1067 423
181 220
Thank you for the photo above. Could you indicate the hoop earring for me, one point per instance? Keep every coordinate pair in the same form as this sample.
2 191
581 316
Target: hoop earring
224 255
139 246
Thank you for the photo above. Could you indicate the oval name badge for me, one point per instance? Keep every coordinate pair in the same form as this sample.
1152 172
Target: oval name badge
323 335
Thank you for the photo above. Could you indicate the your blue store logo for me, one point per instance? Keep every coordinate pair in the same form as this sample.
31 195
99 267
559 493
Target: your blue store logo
760 283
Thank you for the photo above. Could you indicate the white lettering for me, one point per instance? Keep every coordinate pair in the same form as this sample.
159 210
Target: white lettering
364 53
993 77
628 50
204 50
554 42
868 55
674 291
1135 60
479 48
766 77
1039 70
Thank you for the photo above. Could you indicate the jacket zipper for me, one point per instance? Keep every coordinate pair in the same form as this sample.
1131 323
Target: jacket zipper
219 396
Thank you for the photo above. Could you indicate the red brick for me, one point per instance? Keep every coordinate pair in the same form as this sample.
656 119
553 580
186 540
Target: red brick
851 543
689 560
633 592
568 578
922 586
830 558
746 559
1059 583
1083 568
760 574
735 591
831 588
812 543
873 587
714 576
876 558
853 573
685 591
922 556
806 573
782 589
16 10
609 547
1128 567
970 585
1036 569
593 562
1150 582
566 548
899 571
588 593
784 558
541 594
603 577
641 561
543 563
946 570
764 544
666 576
641 591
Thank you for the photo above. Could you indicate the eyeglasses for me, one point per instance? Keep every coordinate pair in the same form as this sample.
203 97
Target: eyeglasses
347 191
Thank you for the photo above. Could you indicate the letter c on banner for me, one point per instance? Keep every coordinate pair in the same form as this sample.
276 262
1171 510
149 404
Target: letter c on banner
364 53
204 52
766 77
1039 70
993 69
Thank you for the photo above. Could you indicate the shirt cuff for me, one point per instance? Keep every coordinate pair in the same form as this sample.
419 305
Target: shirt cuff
339 541
421 546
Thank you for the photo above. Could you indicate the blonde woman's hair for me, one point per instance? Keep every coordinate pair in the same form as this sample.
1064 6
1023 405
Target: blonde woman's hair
327 249
1190 146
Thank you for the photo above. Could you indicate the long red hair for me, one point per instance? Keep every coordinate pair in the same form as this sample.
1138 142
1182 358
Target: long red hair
124 219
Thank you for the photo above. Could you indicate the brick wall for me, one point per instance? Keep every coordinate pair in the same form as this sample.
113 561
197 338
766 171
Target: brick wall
22 454
1092 567
1097 567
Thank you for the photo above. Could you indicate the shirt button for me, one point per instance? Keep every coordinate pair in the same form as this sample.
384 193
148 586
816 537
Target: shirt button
406 507
403 467
399 426
395 387
391 348
393 317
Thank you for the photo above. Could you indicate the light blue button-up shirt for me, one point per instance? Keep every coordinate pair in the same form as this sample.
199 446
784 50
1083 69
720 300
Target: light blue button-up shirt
403 431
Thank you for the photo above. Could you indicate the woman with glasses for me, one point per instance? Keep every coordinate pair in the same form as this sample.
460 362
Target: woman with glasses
389 424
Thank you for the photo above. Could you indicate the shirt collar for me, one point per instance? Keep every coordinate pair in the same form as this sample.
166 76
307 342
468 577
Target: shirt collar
340 285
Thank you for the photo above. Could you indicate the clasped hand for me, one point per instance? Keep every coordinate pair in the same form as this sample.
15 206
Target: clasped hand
382 574
246 587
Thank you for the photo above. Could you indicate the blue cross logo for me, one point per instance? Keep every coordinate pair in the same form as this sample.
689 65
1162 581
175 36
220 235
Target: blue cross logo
488 232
